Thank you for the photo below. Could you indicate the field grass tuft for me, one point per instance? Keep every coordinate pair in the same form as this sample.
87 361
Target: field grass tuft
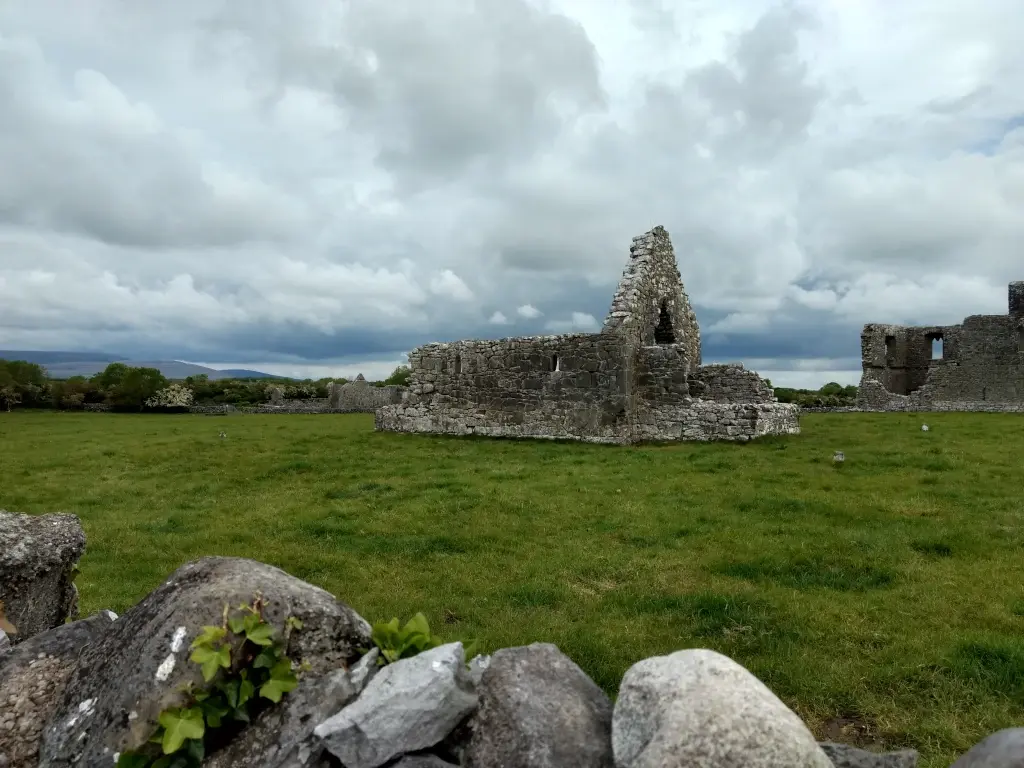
884 601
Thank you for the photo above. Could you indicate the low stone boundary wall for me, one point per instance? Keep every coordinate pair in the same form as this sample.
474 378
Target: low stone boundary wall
702 420
38 555
94 691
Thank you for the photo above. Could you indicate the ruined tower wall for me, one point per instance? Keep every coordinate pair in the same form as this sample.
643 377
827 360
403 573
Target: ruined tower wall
981 367
650 281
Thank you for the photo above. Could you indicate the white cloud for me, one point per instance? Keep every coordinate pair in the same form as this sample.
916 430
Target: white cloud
228 181
529 311
498 318
579 322
449 285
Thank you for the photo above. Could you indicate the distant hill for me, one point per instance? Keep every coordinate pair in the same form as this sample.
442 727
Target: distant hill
64 365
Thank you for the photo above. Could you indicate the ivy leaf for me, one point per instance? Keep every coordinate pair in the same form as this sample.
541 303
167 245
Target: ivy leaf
215 710
179 725
212 660
282 680
267 658
132 760
294 623
230 688
246 690
209 636
250 622
195 750
261 634
237 624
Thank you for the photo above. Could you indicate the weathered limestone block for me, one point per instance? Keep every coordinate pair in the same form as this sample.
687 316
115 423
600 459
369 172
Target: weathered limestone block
846 756
410 705
539 710
32 679
698 707
139 667
38 554
282 736
1003 749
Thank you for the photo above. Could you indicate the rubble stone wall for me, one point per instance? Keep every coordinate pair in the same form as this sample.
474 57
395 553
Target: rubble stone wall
639 379
982 361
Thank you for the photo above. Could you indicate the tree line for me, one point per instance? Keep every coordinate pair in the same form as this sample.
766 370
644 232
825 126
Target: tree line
123 387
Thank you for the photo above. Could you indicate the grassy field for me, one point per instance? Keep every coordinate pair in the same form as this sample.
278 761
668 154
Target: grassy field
883 601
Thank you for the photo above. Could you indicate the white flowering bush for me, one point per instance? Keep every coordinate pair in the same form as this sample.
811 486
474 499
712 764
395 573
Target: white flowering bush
171 396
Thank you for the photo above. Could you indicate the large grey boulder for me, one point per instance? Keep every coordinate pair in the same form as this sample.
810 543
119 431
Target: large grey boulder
1003 749
32 678
141 666
411 705
282 736
539 710
38 554
846 756
422 761
698 707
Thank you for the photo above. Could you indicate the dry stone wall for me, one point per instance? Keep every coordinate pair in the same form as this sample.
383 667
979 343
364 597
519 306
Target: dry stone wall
359 396
87 693
639 379
38 556
981 366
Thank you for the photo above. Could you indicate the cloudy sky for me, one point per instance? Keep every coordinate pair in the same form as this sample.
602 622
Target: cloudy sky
316 187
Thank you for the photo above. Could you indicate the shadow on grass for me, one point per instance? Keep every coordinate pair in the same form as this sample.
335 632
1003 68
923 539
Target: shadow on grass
996 664
811 572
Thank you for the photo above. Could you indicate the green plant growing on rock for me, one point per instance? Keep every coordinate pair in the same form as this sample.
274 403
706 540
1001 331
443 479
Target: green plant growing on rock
397 642
244 666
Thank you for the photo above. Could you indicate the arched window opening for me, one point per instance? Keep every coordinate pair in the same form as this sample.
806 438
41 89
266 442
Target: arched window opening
663 333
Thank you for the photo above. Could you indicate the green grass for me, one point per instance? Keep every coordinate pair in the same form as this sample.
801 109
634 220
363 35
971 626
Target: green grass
885 594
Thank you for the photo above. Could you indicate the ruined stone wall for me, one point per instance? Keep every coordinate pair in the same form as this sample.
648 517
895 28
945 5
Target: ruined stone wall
650 286
540 379
732 383
982 362
633 381
360 396
696 420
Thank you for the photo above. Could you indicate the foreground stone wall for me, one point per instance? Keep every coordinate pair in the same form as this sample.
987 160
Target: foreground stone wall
38 555
84 694
982 362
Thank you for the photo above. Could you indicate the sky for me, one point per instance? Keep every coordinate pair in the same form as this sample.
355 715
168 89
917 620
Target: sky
315 188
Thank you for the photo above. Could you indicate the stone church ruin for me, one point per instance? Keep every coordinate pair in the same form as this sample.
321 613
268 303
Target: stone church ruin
639 378
975 366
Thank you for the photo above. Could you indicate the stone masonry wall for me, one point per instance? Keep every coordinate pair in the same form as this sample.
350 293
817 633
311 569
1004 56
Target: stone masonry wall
360 396
650 281
636 380
732 383
982 361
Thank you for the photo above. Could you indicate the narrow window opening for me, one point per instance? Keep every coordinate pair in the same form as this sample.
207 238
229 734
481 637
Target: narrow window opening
936 347
1020 339
984 393
890 342
663 333
556 363
458 364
